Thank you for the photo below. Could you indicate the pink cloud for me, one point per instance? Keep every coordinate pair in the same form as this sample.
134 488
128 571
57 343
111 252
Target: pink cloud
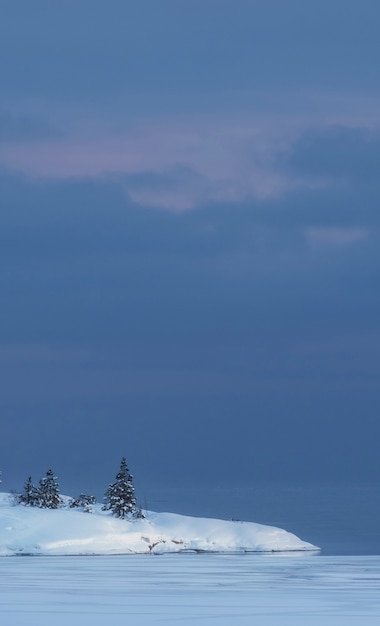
230 163
335 236
232 156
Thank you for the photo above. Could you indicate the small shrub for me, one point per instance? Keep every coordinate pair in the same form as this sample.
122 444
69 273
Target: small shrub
84 502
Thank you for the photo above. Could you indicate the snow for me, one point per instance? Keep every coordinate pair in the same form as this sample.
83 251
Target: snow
33 531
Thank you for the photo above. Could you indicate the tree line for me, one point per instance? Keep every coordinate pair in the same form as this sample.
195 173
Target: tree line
119 497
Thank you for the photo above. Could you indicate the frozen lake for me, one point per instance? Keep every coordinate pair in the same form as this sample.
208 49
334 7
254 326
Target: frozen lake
194 589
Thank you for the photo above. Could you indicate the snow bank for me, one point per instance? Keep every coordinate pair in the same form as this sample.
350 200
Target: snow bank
26 530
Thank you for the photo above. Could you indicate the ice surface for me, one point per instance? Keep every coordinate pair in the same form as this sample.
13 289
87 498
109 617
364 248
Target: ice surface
201 589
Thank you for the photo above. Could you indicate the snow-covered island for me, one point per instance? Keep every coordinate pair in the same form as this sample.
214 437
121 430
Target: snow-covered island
28 530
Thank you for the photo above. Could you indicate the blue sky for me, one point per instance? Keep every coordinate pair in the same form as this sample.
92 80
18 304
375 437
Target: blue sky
190 240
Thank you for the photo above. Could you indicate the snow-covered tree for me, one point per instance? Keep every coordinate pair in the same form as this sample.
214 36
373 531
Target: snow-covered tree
48 492
83 502
30 495
120 495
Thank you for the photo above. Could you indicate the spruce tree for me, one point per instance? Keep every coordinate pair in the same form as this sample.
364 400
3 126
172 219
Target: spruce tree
83 502
30 495
120 495
48 492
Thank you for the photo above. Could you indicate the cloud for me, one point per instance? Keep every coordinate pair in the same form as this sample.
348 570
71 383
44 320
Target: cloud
25 128
174 165
340 236
336 193
187 163
68 242
337 154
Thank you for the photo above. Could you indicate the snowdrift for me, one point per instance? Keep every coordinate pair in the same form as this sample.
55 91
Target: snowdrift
32 531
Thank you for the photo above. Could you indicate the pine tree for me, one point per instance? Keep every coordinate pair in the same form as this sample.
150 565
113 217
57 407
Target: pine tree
48 492
83 502
120 495
30 495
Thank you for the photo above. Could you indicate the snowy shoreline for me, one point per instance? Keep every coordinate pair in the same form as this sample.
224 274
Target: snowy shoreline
32 531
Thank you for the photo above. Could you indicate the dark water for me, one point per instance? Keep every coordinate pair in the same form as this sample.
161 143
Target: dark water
340 519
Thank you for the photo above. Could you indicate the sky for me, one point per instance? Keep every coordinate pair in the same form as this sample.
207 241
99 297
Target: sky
189 241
